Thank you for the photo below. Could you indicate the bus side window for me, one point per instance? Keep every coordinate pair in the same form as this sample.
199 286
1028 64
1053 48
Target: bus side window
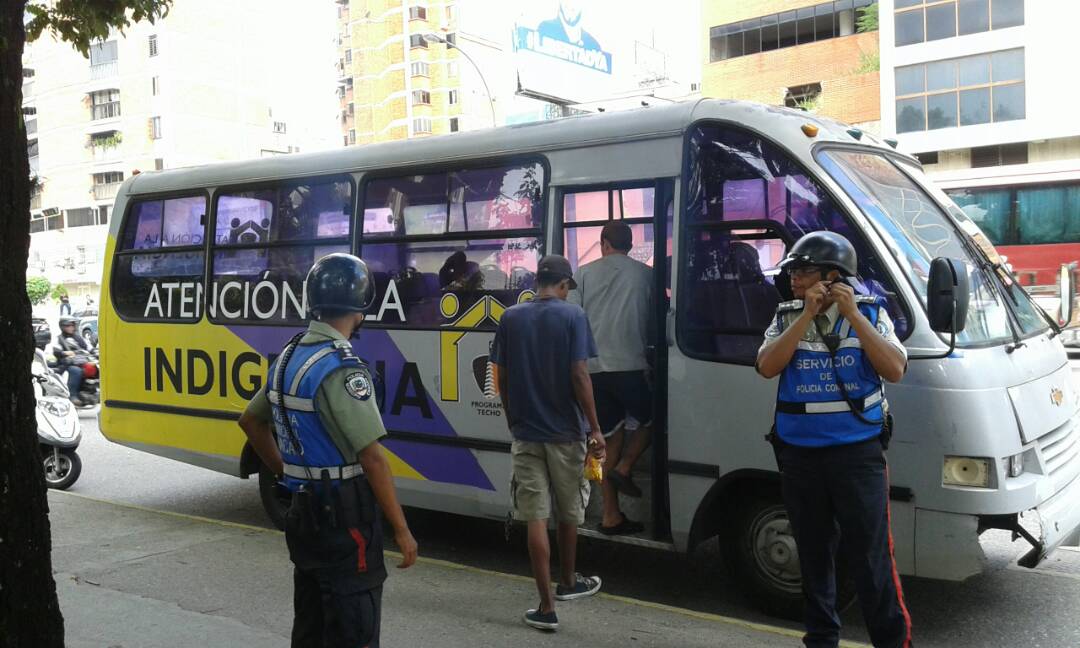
747 200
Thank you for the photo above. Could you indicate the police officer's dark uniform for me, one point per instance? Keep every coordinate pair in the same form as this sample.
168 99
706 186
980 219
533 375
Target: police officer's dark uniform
322 399
830 437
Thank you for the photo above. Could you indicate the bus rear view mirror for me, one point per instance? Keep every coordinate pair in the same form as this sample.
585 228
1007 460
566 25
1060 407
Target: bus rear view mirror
1067 294
947 295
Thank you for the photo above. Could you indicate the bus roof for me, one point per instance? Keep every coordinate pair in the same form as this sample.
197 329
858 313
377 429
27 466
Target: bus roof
571 132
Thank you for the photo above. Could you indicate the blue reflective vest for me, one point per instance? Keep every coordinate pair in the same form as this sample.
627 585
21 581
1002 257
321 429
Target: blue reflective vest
309 365
810 408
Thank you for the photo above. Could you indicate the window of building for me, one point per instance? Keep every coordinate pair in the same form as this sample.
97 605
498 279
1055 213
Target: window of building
159 164
451 13
159 263
417 40
32 148
452 68
919 21
421 125
105 139
28 73
929 157
106 184
961 92
480 235
47 221
451 39
272 234
155 86
788 29
103 53
420 68
452 97
455 124
348 56
421 97
352 136
1002 155
153 45
803 96
279 127
105 104
155 128
417 13
84 217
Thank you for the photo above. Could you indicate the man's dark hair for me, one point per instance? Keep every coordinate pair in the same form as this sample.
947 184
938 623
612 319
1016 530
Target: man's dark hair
618 235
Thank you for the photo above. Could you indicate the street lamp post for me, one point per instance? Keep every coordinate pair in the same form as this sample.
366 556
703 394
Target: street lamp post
435 38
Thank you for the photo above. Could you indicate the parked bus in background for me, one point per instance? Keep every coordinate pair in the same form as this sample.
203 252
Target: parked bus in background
1036 227
205 284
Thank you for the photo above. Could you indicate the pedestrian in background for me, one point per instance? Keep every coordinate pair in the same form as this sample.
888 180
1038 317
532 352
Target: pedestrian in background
65 305
541 348
321 400
832 350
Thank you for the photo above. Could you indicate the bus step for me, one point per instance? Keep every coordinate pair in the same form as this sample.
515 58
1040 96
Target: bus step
638 540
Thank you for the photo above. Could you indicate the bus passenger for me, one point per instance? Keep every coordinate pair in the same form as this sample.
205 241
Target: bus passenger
541 348
324 446
832 350
617 295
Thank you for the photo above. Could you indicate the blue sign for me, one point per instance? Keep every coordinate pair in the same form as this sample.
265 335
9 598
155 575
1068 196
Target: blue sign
563 38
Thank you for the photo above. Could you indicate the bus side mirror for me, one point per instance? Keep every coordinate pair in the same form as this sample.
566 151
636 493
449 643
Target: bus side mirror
1067 294
947 295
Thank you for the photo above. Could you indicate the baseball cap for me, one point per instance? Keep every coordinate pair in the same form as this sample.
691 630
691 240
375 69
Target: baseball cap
557 266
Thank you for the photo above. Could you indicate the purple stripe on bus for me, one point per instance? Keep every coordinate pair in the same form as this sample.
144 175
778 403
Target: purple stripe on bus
436 463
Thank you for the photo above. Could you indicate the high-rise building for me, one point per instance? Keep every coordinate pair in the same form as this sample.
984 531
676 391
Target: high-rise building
819 56
209 82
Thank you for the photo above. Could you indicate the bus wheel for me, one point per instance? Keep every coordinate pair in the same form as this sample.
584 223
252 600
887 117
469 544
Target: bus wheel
275 497
759 550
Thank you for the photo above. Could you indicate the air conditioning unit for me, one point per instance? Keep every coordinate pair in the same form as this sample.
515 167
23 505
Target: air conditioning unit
50 211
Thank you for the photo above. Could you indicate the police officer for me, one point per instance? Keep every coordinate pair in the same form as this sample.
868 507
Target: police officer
321 400
832 350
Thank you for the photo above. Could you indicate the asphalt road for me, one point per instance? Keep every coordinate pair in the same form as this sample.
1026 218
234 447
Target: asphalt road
1005 606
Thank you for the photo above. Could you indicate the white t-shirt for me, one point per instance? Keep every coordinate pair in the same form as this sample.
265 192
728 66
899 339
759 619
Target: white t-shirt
617 295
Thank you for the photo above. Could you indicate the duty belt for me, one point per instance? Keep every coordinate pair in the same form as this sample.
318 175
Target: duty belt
315 472
829 407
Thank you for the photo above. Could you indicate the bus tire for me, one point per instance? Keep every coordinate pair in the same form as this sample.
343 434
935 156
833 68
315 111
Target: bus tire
760 553
275 498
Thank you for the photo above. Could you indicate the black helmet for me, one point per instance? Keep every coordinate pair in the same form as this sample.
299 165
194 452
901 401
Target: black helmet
825 249
67 319
339 282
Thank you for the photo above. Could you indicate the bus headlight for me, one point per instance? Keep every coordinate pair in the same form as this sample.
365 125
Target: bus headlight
966 471
1016 465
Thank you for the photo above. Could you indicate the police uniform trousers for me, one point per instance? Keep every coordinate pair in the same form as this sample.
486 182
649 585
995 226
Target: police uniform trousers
337 577
839 492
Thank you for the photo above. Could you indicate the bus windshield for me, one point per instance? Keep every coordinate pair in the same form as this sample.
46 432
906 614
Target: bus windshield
917 230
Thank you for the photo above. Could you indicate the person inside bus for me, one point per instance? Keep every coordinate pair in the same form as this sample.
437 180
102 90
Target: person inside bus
616 293
833 349
541 348
316 425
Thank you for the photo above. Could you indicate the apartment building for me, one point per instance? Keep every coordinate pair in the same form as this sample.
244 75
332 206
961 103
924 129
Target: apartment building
191 89
983 92
819 56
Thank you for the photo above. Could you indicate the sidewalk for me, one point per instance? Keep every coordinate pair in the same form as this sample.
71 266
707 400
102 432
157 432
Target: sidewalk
130 577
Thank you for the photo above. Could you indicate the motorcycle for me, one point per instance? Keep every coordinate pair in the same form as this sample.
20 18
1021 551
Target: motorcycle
90 389
59 430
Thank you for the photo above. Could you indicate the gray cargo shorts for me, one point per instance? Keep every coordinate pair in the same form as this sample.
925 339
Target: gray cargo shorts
546 471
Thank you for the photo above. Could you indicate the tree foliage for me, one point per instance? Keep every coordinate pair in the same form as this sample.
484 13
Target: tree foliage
82 22
59 291
37 289
868 19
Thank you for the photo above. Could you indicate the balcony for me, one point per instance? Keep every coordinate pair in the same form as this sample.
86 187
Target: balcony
31 127
35 201
105 111
106 191
104 70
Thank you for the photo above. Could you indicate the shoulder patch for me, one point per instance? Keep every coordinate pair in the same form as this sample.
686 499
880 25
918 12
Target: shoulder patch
358 385
793 305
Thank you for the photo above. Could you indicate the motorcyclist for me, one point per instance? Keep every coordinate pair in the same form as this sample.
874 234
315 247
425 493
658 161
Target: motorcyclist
73 352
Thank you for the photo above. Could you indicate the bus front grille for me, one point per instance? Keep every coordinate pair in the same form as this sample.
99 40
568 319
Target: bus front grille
1060 447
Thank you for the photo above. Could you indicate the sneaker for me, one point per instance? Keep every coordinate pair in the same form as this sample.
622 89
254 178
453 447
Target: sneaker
542 620
583 586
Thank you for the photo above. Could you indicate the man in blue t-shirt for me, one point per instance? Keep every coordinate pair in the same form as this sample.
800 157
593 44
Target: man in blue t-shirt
541 350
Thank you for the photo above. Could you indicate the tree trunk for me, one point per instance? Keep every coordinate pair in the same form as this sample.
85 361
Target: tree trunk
29 612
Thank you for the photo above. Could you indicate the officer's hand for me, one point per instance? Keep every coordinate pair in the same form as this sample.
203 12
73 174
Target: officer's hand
814 299
844 297
407 546
597 445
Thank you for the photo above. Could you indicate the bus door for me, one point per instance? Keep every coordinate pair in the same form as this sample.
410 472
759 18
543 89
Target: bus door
647 207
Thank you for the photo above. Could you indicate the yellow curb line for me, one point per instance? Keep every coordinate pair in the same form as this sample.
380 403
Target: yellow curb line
693 614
